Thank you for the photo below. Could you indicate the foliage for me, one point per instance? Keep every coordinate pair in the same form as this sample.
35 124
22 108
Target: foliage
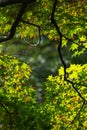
17 97
62 107
63 102
70 17
37 58
65 99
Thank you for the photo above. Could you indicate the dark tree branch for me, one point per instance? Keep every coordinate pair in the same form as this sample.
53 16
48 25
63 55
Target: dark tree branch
4 107
59 51
52 18
4 3
60 35
10 123
63 62
15 24
55 24
76 89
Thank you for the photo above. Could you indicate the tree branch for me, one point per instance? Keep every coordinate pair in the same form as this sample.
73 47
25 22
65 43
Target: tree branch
78 113
10 123
59 51
60 35
15 24
4 3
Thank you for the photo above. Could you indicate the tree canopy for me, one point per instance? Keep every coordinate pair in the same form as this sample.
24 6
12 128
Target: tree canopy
63 22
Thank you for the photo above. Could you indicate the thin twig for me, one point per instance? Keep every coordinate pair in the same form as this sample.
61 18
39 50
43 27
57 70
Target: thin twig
39 28
76 89
78 113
